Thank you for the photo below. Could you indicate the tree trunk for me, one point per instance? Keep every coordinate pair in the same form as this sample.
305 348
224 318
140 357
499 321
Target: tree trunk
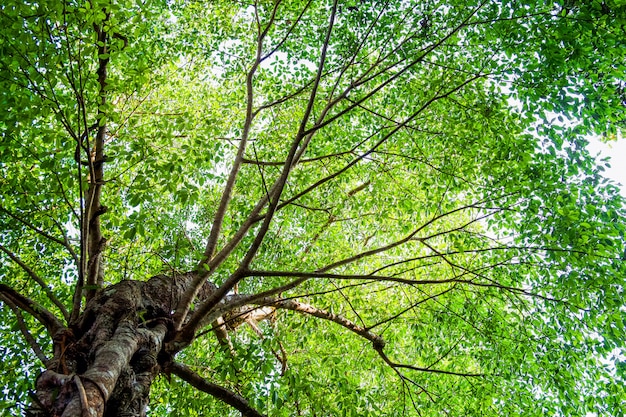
104 364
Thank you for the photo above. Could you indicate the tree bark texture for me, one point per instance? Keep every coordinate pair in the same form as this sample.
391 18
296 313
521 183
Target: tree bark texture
104 365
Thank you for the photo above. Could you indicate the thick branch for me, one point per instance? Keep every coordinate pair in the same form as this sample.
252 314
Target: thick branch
239 158
223 394
209 263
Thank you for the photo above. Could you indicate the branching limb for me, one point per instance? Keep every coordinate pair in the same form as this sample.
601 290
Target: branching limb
363 80
412 306
300 307
239 158
296 149
411 236
45 317
37 230
223 394
378 343
38 280
377 145
209 262
493 283
300 277
289 31
21 323
396 365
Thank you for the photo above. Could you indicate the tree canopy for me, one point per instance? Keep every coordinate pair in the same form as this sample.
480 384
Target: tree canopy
312 208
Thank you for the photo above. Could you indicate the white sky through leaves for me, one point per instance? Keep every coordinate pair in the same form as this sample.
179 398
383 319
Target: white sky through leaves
616 150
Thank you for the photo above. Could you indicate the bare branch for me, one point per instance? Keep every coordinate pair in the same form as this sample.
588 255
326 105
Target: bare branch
223 394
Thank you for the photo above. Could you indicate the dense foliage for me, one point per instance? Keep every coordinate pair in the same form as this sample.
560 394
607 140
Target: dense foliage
405 182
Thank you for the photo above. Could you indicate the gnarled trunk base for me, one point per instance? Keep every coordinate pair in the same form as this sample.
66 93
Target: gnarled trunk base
104 364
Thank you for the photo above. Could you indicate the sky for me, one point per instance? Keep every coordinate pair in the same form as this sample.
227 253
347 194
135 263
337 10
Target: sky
616 150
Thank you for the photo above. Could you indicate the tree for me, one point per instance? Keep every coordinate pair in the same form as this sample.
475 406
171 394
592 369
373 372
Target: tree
310 208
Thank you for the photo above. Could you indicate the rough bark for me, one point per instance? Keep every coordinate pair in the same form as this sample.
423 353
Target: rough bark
104 365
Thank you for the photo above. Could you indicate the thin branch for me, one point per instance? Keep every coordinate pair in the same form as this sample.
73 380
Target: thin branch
412 306
493 283
384 139
302 161
395 76
429 370
410 237
289 31
209 262
378 342
223 394
300 307
304 276
38 280
275 194
45 317
21 323
285 98
66 239
34 228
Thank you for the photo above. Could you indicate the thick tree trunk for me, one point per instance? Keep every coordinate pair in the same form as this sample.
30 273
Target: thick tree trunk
105 365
